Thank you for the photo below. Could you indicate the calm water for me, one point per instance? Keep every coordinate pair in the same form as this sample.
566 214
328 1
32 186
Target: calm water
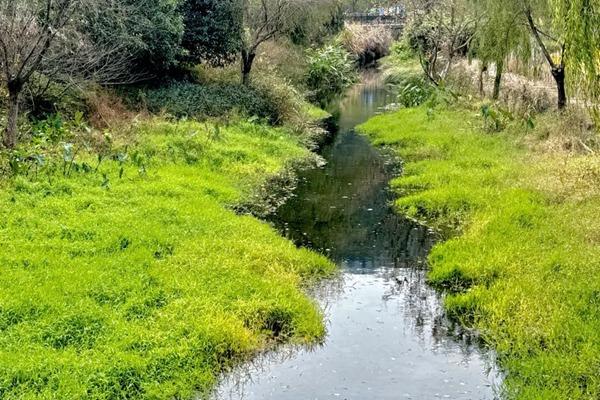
388 337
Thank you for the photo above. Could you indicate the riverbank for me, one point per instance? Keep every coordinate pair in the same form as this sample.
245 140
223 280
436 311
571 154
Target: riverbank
130 276
521 263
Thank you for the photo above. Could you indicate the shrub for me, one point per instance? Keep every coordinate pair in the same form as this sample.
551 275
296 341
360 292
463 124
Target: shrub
197 101
414 91
213 31
284 98
330 71
150 31
205 74
408 80
401 51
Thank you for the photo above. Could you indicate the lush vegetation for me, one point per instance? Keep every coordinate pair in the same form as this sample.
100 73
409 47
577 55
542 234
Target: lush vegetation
557 35
132 267
135 279
330 72
201 101
511 183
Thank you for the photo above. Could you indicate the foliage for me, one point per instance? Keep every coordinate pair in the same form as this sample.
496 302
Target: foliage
494 119
577 22
317 26
284 59
288 103
202 101
414 91
500 33
265 20
522 262
402 72
51 40
330 71
213 31
401 51
133 280
150 30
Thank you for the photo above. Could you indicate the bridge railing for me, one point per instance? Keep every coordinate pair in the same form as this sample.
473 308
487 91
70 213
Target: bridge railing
375 19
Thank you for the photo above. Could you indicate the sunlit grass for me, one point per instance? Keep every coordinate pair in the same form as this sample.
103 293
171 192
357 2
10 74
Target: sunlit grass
147 286
523 260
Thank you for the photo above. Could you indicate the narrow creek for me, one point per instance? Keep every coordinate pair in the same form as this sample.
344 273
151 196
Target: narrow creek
388 337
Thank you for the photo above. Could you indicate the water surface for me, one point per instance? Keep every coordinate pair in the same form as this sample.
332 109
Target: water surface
388 337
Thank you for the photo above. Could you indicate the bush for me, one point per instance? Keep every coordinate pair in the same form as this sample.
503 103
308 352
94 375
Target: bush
414 91
401 51
330 71
284 59
406 77
213 31
287 102
197 101
151 32
205 74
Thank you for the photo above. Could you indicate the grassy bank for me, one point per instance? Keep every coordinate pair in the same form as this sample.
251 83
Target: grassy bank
523 260
132 278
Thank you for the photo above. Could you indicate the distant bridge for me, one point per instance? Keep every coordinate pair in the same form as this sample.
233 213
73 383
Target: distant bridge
394 21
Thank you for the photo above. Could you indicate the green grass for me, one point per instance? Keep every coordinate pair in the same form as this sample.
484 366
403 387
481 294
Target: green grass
522 262
147 286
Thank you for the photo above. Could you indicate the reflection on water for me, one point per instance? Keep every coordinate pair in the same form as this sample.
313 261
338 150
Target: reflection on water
388 337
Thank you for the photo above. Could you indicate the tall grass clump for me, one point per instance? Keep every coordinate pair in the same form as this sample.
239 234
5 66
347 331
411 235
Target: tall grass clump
522 259
126 274
366 43
330 71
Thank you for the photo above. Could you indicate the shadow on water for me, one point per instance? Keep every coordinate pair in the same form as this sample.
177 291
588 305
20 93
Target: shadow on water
388 337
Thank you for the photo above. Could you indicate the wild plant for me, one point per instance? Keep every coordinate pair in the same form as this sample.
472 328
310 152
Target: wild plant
330 71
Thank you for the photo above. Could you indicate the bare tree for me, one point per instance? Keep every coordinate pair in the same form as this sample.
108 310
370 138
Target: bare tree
46 39
265 20
441 29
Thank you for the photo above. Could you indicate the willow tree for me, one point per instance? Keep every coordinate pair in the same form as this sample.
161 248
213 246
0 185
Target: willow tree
539 19
578 23
500 34
550 41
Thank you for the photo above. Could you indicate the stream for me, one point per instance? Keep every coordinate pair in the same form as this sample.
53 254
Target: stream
388 336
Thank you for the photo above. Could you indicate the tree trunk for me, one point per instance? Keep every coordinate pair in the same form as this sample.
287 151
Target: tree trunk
498 79
247 61
10 132
559 76
558 70
482 71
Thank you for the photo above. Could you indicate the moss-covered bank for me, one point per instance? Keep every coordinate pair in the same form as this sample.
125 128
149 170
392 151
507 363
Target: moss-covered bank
523 260
137 280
